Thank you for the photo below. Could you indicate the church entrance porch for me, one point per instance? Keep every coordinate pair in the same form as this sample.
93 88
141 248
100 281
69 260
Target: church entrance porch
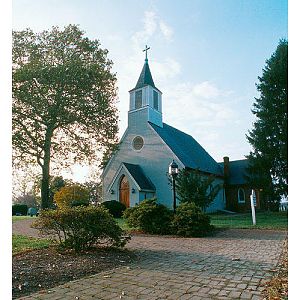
124 191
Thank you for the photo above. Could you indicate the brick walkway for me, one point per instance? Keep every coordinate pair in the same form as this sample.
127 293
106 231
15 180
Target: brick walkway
231 265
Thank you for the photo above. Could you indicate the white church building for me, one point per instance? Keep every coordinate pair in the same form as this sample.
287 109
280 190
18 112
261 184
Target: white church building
139 169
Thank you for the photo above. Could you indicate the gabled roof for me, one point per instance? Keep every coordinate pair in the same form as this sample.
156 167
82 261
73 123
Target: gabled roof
237 171
138 175
145 77
188 150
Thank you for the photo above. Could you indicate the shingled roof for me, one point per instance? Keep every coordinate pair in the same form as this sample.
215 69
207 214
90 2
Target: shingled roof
140 178
187 149
145 77
237 171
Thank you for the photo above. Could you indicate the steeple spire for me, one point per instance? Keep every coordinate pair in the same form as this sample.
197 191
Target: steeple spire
145 76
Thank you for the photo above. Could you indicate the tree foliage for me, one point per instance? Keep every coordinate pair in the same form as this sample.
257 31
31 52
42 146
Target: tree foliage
55 184
269 136
194 187
29 199
64 96
71 194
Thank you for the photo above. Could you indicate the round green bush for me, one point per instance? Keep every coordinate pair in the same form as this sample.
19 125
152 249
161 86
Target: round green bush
80 227
150 217
116 208
75 203
190 221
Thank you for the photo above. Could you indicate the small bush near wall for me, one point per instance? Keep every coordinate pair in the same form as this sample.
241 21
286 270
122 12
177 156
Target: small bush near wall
189 221
80 228
19 209
150 217
116 208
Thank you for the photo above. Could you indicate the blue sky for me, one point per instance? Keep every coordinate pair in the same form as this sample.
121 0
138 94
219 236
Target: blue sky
205 56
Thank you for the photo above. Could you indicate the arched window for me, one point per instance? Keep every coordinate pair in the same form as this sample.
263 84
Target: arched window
241 196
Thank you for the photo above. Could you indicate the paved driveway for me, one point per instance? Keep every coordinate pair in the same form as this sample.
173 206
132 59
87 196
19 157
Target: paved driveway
231 265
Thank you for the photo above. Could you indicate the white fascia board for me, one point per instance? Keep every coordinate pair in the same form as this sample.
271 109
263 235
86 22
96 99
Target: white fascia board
117 174
113 156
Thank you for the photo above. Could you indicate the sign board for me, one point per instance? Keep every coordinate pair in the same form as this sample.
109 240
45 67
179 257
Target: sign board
253 200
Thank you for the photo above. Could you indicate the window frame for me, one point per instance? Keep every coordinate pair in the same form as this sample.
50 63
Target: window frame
239 198
155 103
140 92
133 143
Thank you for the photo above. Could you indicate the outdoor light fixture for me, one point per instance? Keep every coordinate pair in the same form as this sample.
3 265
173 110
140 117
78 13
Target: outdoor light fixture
132 190
112 192
173 172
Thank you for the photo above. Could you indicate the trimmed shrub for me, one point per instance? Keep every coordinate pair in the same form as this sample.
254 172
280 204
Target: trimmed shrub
80 228
150 217
79 203
19 209
189 221
116 208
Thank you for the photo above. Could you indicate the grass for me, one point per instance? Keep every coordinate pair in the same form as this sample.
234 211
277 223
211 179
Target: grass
264 220
21 243
19 218
123 224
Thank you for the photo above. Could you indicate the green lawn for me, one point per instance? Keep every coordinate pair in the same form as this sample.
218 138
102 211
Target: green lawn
21 243
264 220
123 224
19 218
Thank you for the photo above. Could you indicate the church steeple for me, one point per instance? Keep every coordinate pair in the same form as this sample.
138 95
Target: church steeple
145 95
145 77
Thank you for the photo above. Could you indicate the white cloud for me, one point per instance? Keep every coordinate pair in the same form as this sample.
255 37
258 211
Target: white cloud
203 104
166 30
206 90
152 24
165 70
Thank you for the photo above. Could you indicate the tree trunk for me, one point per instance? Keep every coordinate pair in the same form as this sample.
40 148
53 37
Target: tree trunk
46 170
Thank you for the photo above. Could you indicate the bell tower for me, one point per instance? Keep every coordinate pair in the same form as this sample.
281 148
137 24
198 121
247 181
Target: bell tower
145 103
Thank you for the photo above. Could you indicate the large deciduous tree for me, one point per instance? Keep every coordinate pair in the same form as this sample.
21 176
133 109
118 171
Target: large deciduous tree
64 99
269 136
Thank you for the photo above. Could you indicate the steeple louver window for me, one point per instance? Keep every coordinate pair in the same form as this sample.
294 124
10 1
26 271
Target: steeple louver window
155 100
138 99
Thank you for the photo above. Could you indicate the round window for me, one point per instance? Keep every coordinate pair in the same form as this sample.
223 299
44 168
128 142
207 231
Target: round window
138 143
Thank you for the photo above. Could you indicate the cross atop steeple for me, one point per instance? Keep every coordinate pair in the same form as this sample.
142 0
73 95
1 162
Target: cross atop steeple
145 50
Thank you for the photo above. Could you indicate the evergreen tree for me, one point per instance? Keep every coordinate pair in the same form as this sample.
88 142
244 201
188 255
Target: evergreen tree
194 187
269 137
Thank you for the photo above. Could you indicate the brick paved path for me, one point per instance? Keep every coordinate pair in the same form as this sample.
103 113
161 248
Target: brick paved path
231 265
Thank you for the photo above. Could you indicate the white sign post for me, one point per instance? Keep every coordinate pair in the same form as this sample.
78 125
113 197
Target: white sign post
253 204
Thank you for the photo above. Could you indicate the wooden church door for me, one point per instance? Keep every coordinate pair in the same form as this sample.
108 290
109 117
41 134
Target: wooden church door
124 191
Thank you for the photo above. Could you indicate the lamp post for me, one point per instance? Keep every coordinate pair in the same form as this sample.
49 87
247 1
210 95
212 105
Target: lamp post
173 171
